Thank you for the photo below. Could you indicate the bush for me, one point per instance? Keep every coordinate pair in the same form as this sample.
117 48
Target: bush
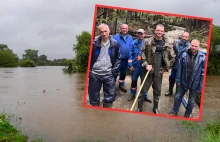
27 63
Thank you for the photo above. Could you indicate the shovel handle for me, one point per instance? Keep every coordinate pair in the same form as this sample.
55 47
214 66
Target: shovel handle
139 91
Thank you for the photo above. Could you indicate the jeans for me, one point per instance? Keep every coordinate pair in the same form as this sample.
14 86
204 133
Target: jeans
191 100
95 84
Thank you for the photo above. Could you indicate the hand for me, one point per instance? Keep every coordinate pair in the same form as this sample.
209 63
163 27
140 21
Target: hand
178 84
198 91
131 69
161 71
149 67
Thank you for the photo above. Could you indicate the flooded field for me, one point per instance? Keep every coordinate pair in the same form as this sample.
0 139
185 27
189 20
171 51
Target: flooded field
48 105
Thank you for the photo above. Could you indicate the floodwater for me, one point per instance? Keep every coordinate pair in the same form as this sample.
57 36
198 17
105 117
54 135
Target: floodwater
47 104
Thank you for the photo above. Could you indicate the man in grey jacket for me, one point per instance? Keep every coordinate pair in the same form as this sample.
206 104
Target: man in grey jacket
105 61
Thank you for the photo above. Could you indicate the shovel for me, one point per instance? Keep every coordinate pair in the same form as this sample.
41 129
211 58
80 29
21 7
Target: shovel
139 91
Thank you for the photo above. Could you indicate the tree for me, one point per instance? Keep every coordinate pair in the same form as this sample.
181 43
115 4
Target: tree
82 51
213 64
31 54
215 37
3 47
43 57
7 57
42 60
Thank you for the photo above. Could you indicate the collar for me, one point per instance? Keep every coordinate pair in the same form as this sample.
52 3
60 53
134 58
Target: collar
190 53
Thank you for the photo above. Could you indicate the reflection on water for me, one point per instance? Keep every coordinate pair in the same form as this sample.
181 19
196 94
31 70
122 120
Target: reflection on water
56 114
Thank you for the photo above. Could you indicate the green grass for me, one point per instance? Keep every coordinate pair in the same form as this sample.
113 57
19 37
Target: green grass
208 133
8 133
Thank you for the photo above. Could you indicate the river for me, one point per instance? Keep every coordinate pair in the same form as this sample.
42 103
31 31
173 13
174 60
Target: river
47 104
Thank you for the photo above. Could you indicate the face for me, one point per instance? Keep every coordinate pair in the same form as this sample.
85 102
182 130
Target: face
159 31
104 32
124 29
194 46
141 36
185 37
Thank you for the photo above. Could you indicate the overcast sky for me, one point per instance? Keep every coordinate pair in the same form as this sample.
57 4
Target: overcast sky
50 26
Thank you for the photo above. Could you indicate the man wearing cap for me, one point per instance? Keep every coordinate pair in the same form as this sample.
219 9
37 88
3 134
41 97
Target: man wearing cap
124 40
179 47
190 74
134 63
157 58
105 61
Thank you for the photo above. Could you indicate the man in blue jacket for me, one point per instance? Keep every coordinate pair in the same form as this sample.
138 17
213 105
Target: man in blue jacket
124 40
135 64
190 74
179 47
105 61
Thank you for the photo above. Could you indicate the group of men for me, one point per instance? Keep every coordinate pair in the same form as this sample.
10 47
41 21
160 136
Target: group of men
115 54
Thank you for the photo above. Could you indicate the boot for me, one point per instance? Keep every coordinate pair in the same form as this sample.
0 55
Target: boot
173 114
123 88
155 108
147 100
140 103
131 97
170 91
107 105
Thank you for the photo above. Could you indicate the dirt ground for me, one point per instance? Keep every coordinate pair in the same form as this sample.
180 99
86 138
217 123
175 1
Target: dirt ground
165 103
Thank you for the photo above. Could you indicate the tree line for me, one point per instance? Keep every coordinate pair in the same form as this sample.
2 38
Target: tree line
148 21
82 48
30 58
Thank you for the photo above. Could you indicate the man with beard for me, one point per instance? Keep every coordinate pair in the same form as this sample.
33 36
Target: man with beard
190 74
124 40
105 61
157 58
179 47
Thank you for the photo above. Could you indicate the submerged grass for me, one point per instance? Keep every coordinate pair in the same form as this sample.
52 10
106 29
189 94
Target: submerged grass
8 133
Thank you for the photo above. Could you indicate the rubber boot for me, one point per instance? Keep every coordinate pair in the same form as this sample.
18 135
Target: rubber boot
140 103
170 91
147 100
155 107
123 88
107 105
131 97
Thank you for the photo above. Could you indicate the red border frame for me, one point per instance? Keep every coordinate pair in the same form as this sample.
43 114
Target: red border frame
148 113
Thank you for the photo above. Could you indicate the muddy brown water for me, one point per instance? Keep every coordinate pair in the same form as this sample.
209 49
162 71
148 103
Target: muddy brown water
57 115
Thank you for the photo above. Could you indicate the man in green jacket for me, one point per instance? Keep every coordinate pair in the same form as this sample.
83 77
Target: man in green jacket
157 58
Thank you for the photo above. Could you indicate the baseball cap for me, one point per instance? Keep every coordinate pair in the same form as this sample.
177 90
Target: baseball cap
141 31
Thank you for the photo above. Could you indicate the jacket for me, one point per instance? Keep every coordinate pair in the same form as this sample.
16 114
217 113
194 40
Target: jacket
135 51
198 72
113 52
124 45
176 49
148 54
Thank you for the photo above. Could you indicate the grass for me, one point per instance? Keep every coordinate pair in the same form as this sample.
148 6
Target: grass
208 133
8 133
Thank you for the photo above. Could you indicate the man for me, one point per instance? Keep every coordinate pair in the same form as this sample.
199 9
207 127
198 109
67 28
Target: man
190 75
124 40
134 63
104 63
157 58
179 47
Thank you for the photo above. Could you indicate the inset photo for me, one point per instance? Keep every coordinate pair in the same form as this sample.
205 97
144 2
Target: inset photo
147 62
